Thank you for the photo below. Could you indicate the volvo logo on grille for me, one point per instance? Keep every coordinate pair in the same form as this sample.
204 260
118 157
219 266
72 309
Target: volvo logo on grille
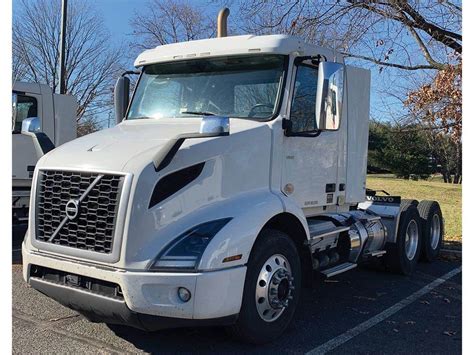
72 209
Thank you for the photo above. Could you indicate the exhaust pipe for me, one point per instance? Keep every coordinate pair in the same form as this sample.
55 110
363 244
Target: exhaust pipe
222 22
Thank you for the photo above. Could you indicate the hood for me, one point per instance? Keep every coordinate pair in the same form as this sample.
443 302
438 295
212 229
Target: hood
112 148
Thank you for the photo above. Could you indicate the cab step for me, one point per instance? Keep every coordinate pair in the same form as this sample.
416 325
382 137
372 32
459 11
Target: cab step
338 269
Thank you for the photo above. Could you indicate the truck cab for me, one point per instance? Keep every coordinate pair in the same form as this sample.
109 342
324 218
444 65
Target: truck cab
235 176
55 121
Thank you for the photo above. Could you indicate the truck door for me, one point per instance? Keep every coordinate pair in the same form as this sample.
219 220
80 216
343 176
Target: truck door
24 156
310 158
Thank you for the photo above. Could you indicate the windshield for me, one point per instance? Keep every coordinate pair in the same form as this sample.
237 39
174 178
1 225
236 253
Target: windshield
239 87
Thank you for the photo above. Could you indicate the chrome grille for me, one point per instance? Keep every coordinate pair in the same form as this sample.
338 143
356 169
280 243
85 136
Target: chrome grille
94 225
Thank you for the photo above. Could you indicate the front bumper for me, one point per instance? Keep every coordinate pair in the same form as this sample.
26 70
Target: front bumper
216 295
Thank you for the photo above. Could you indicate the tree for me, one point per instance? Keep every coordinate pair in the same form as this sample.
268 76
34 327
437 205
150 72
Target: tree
403 151
407 153
92 63
378 139
169 21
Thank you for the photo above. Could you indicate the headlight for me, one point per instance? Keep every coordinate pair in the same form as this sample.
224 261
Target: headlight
184 253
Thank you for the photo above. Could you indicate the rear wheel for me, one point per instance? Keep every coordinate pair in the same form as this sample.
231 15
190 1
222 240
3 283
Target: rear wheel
272 289
404 254
432 230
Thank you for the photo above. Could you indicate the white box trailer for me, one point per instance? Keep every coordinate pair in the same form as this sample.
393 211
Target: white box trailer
53 122
236 176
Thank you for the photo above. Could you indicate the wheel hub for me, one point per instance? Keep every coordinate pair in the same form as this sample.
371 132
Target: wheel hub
435 231
411 240
274 288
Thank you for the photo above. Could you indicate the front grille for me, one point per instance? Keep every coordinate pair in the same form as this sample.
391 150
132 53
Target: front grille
93 227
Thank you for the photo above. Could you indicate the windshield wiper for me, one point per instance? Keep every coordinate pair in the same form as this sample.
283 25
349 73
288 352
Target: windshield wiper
200 113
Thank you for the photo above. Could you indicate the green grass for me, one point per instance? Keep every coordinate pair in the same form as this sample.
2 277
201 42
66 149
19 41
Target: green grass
449 197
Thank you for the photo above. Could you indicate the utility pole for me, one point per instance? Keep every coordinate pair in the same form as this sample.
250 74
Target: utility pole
62 49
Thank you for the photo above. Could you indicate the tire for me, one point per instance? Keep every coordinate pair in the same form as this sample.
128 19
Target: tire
405 202
432 227
250 326
400 257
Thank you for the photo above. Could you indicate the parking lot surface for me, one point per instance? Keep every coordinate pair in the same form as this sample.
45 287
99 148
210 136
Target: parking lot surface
364 311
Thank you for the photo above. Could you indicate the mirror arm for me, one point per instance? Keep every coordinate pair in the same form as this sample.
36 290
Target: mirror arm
315 59
130 72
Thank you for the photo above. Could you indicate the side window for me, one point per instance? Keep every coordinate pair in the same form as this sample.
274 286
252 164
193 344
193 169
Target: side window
303 105
26 107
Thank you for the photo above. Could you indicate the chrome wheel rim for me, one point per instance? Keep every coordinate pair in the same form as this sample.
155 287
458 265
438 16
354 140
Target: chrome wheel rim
274 288
435 231
411 240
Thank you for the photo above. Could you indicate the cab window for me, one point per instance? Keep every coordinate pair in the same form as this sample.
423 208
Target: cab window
26 107
303 105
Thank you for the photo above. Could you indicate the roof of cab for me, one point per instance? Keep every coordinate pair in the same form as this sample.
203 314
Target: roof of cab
32 88
235 45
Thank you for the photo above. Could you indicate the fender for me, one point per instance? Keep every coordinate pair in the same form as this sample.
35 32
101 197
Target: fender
251 212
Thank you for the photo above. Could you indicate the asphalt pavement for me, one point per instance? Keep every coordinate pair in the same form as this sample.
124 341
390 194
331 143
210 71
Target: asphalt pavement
364 311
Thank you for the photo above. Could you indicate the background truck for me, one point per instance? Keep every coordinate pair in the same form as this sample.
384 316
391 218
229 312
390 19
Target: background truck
235 178
53 122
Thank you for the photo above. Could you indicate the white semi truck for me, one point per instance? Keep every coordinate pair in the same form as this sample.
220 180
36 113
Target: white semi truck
235 178
51 119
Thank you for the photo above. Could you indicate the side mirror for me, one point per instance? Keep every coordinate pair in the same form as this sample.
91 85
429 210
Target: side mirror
214 125
329 96
121 97
31 125
14 106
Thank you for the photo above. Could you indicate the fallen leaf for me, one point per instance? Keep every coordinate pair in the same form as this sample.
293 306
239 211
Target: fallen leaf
395 330
358 311
391 322
447 300
424 302
449 333
365 298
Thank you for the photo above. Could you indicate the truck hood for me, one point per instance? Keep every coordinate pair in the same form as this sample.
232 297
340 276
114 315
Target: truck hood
111 149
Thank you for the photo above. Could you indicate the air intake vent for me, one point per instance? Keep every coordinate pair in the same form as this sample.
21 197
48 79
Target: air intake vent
172 183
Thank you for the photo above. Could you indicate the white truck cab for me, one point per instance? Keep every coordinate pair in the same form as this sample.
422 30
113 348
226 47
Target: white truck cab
236 176
51 119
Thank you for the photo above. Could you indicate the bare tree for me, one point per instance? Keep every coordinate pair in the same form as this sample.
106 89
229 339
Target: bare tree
416 34
92 63
169 21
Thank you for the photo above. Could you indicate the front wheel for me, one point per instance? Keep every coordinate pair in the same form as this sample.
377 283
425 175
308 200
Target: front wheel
272 289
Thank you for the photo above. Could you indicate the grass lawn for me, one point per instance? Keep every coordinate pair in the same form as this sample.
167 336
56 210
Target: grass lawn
448 196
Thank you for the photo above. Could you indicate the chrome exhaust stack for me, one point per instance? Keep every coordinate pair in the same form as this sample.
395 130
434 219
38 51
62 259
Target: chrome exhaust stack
222 22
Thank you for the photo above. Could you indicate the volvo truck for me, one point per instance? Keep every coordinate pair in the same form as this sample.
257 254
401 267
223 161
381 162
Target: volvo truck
51 119
236 177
